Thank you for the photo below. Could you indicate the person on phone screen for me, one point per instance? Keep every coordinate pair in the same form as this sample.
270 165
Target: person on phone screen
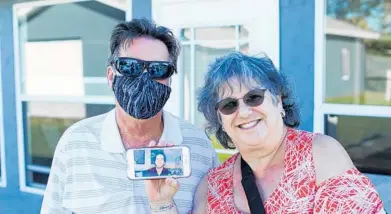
89 170
159 170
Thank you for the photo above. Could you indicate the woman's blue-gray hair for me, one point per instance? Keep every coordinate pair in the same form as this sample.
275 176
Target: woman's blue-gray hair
251 72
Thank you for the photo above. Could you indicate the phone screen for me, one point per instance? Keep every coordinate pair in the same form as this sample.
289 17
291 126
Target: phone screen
149 163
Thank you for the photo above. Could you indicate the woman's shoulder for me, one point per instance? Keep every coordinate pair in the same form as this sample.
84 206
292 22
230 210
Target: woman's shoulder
330 158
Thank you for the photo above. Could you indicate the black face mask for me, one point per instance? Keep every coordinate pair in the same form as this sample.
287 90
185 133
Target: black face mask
141 97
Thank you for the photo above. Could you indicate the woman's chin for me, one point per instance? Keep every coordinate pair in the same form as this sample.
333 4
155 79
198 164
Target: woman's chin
251 143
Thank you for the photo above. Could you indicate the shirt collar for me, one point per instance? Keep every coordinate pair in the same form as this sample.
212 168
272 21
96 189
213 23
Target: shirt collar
111 139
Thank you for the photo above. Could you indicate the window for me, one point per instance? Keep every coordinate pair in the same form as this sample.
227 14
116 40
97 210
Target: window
199 47
61 75
355 109
366 139
356 47
44 122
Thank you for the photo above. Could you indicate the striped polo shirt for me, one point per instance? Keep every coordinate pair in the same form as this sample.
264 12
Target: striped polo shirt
88 173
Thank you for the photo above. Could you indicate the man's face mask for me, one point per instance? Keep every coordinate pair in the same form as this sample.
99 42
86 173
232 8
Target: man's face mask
136 91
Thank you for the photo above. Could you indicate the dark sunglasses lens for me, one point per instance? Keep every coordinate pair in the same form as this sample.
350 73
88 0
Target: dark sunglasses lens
254 98
228 106
130 67
160 70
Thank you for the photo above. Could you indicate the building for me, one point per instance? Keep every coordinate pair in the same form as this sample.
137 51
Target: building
52 63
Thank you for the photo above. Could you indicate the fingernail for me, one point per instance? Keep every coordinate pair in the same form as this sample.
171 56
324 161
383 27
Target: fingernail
152 143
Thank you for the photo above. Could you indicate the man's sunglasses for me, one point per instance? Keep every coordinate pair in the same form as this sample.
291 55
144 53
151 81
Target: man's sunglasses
230 105
131 67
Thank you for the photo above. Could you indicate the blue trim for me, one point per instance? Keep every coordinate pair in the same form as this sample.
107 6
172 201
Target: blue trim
11 199
297 47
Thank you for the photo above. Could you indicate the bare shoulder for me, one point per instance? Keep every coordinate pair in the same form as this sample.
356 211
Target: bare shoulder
200 198
330 158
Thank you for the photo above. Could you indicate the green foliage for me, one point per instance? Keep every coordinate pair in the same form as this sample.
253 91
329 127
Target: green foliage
366 14
354 11
381 47
367 98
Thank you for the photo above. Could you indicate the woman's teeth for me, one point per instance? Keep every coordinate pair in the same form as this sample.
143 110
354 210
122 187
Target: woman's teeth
249 125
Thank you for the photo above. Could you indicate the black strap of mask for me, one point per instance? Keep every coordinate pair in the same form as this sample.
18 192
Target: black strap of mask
250 188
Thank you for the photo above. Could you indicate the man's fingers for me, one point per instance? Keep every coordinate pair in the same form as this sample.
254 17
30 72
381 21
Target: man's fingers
152 143
172 183
161 144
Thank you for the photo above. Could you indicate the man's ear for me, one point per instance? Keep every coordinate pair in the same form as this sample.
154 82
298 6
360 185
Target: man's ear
110 76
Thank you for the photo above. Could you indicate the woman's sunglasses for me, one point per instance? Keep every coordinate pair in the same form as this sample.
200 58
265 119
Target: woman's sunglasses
131 67
230 105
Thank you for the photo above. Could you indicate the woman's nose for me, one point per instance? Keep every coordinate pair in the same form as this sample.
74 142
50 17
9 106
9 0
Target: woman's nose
244 110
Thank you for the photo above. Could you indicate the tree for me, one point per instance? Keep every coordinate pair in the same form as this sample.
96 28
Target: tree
356 12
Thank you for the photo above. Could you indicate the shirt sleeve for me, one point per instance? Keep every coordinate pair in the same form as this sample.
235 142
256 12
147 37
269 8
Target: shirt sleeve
52 200
351 192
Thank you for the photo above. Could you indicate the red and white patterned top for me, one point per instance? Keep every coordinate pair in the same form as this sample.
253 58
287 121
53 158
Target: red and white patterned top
297 192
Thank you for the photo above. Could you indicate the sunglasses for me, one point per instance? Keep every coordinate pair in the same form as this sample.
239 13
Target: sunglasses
131 67
230 105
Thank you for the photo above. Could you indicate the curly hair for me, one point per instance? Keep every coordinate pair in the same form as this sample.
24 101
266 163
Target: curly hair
251 72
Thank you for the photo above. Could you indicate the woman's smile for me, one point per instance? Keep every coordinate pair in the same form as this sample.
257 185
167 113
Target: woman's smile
249 125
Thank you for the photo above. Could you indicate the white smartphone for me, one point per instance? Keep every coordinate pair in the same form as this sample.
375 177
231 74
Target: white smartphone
158 162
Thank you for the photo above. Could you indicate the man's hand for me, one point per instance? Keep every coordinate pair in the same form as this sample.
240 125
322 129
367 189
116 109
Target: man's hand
161 190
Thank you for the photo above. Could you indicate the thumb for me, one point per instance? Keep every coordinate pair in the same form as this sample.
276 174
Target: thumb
173 183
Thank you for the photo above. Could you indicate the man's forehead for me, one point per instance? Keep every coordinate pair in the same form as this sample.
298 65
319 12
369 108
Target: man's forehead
144 48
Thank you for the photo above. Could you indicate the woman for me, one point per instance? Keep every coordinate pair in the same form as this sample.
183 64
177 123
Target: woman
249 106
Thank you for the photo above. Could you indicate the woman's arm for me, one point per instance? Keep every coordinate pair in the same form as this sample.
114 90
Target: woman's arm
330 158
201 197
341 188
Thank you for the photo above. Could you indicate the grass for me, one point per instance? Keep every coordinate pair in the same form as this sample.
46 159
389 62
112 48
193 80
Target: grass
44 134
223 157
217 145
366 98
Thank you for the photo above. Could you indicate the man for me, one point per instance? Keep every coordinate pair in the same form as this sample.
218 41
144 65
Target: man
89 170
159 170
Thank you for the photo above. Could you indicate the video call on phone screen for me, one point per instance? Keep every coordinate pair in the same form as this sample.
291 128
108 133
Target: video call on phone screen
158 162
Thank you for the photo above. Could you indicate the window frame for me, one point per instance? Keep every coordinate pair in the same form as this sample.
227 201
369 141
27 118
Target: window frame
321 108
22 98
192 42
3 175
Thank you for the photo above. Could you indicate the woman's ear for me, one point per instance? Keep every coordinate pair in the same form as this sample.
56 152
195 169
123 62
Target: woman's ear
278 102
280 106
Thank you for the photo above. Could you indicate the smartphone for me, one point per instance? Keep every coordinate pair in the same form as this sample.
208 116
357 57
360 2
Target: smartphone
157 163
